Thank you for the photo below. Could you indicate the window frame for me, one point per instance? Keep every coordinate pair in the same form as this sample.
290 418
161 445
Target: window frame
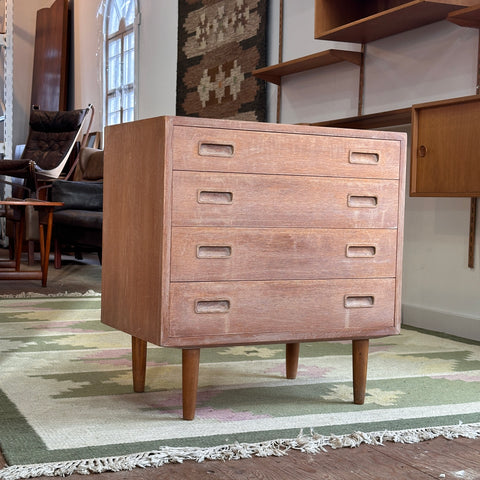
122 88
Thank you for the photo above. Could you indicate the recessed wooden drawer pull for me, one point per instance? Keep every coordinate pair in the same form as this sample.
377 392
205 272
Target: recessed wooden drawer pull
362 201
212 306
359 301
361 250
214 251
364 158
215 149
221 198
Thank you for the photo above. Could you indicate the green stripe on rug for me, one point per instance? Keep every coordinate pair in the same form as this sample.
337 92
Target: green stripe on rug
66 395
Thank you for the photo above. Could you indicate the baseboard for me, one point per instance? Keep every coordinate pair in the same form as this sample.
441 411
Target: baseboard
438 321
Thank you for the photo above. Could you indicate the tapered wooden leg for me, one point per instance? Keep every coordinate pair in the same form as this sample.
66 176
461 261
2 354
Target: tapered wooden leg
292 350
190 365
139 363
360 361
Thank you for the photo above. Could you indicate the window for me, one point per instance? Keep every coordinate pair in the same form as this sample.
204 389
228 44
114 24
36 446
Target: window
120 33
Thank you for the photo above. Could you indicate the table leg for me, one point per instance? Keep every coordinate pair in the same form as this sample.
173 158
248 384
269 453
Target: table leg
292 351
360 361
19 232
190 366
139 363
45 245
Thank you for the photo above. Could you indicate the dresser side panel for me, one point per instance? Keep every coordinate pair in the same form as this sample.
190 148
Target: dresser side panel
134 237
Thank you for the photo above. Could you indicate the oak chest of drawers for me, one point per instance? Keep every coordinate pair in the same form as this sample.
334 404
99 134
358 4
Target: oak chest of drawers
221 232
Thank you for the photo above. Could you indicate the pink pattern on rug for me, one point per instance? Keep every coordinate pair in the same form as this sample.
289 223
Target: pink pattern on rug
226 415
120 357
303 370
63 327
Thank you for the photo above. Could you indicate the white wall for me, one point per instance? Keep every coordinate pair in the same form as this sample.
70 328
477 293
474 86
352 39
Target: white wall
429 63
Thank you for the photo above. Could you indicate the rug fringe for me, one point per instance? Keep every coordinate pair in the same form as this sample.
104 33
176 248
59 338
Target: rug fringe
312 443
88 293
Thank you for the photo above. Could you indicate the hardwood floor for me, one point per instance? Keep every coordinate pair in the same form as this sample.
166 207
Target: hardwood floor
433 459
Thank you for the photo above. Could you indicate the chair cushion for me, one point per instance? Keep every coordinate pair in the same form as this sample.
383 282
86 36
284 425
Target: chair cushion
51 136
79 219
78 195
61 121
91 163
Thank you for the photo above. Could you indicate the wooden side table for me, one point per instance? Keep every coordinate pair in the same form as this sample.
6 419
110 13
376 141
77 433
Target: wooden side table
10 270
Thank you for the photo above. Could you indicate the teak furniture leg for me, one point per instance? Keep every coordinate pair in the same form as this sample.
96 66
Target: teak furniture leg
292 350
190 365
139 363
360 361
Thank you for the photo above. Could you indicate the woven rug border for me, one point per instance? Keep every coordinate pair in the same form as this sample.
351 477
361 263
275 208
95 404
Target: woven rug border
311 443
88 293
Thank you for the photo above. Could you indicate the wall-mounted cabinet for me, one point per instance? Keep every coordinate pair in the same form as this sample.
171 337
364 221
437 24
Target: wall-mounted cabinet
446 148
364 21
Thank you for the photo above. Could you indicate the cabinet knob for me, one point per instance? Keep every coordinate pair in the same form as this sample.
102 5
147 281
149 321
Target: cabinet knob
422 151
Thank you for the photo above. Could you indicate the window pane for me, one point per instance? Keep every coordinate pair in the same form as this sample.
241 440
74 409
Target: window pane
113 17
114 109
114 64
120 61
129 12
129 59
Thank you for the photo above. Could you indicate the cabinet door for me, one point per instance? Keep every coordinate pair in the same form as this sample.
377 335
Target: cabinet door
446 148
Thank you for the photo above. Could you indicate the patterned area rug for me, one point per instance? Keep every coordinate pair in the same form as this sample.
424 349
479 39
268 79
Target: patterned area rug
66 401
220 43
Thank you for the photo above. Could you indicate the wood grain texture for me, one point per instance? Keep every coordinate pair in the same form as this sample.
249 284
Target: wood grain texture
279 311
283 201
228 233
281 253
242 151
50 62
433 171
366 21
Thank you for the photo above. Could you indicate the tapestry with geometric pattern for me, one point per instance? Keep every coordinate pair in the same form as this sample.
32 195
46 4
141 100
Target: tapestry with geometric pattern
220 43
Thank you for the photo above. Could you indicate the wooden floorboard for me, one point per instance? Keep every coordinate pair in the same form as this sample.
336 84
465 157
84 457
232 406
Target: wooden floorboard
434 459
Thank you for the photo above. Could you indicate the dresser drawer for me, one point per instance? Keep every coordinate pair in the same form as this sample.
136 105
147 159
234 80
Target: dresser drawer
214 199
223 150
202 313
219 253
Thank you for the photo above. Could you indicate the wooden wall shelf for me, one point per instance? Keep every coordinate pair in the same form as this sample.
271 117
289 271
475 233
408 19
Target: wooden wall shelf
274 73
390 118
363 22
466 17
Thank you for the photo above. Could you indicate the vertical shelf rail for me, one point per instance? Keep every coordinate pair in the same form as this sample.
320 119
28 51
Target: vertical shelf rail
473 200
361 79
280 60
8 80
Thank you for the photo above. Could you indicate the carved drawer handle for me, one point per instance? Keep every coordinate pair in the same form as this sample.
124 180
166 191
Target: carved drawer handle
364 158
221 198
355 251
212 306
422 151
359 301
362 201
215 149
214 251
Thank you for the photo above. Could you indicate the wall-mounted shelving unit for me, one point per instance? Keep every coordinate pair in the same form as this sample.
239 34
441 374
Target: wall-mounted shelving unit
275 73
369 20
466 17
